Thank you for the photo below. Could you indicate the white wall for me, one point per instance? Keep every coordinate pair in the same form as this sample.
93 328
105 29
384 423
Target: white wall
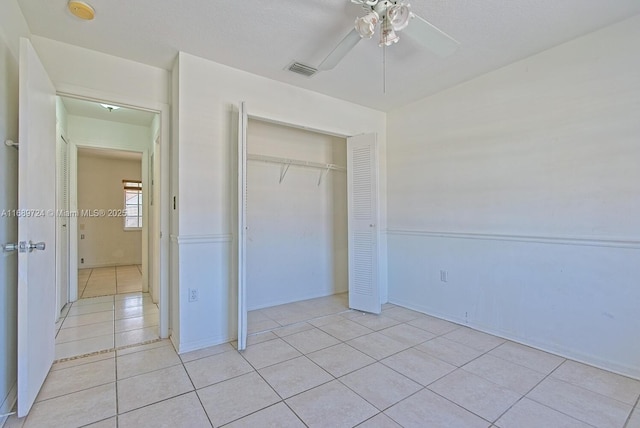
524 186
12 26
105 242
297 229
89 132
206 106
86 72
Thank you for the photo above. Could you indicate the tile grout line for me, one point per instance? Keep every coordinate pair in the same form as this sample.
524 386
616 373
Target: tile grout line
116 370
522 396
195 390
282 400
360 368
380 361
574 385
113 329
635 408
86 283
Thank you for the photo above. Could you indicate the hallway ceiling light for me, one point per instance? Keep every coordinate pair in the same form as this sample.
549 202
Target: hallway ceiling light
81 9
109 107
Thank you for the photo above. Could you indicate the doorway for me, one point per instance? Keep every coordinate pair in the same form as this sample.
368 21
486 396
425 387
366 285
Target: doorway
111 303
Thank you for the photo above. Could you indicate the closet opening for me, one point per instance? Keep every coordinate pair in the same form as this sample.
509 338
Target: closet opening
296 218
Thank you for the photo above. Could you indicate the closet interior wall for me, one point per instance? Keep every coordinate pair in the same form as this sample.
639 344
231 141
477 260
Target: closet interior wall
296 216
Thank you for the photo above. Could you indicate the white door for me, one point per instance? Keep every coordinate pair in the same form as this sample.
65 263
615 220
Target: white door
362 190
37 224
62 223
242 227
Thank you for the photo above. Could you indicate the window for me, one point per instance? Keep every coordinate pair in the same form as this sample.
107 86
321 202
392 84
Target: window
132 204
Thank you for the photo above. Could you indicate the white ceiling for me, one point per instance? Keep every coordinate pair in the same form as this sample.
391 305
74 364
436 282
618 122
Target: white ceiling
94 110
109 154
263 37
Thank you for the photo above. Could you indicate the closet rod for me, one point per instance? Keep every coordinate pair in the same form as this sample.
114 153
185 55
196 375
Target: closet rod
285 161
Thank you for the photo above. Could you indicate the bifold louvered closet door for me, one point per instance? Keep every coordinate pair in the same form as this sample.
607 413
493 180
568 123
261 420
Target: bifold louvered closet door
362 186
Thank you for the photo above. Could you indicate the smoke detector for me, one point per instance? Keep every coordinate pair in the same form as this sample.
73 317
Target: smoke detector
82 10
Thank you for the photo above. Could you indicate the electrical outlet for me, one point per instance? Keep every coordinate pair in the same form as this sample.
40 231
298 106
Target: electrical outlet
444 276
193 294
82 236
82 261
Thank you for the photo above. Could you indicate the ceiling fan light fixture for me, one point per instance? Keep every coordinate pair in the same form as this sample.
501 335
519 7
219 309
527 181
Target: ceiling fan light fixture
365 2
366 25
399 15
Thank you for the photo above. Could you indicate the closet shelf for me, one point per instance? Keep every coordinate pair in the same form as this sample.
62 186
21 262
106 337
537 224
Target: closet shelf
286 163
318 165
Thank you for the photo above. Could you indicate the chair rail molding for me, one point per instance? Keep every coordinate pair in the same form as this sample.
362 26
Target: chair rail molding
633 244
202 239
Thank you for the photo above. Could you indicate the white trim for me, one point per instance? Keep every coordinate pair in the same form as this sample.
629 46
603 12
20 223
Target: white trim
265 119
556 240
200 344
202 239
104 265
163 110
88 94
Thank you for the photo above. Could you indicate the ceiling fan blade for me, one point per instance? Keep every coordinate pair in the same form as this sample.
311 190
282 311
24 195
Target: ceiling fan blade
340 51
431 37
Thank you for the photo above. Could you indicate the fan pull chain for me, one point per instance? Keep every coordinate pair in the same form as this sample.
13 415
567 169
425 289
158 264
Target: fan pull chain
384 63
384 69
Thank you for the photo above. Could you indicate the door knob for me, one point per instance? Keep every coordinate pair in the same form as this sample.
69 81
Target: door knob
24 246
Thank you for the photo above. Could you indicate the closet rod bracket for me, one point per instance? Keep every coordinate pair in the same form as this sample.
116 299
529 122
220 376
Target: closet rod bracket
11 143
283 171
323 173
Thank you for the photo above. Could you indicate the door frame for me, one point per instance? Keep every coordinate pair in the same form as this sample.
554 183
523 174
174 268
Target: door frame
62 230
161 274
243 109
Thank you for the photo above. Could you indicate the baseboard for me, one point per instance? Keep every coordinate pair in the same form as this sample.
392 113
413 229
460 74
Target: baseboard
102 265
627 371
298 299
200 344
8 404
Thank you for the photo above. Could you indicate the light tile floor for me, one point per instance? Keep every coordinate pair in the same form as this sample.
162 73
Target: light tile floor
337 368
106 281
106 322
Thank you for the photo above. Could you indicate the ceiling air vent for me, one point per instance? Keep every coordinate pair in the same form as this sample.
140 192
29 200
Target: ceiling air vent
305 70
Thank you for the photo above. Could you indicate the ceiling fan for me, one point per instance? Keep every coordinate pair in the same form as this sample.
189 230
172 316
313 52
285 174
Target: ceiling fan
393 16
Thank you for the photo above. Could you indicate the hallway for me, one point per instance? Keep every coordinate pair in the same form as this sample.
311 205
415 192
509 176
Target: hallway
105 281
112 312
